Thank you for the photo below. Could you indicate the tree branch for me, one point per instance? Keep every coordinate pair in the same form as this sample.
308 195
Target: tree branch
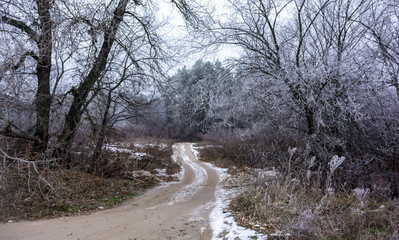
9 133
20 25
23 57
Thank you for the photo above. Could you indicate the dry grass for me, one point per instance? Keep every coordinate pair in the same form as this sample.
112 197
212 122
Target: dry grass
284 206
26 196
304 214
232 151
50 191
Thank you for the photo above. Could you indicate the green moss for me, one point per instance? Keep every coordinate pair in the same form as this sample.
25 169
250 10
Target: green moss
113 200
207 159
379 231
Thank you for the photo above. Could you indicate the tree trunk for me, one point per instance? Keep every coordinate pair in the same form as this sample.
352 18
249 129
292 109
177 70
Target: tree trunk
102 134
310 120
75 112
43 70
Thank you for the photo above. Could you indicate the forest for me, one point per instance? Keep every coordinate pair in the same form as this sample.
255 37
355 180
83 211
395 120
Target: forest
311 90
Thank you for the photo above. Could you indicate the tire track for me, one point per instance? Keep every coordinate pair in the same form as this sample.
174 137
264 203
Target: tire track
174 211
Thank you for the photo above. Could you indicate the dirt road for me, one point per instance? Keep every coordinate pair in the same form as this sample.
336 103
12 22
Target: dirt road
175 211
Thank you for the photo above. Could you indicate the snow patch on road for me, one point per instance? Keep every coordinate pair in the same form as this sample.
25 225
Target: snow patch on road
222 222
195 151
180 174
192 188
199 210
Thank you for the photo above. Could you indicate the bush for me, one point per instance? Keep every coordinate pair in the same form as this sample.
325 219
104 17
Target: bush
318 194
285 207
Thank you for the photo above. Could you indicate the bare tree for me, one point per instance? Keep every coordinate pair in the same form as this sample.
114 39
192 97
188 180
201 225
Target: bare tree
382 25
111 100
38 29
81 93
122 21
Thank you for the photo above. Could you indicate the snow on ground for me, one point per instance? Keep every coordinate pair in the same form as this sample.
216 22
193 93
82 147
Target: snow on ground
142 145
199 210
180 174
207 146
123 147
192 188
116 148
194 150
264 173
161 172
222 222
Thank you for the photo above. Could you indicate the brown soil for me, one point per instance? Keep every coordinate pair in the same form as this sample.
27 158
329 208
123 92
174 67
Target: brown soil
151 216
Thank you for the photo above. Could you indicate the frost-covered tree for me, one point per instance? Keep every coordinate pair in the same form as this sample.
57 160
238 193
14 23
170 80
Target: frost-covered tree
191 97
298 47
309 74
383 28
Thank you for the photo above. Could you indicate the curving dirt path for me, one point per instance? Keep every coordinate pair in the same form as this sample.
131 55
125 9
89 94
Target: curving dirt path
175 211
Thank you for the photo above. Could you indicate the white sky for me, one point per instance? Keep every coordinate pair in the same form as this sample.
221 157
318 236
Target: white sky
177 30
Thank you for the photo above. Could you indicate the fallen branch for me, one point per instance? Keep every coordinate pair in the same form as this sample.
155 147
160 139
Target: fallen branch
34 165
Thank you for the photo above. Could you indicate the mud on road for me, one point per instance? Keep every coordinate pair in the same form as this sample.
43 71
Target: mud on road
174 211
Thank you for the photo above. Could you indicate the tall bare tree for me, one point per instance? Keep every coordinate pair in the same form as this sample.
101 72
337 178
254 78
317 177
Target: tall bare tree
39 31
80 94
129 30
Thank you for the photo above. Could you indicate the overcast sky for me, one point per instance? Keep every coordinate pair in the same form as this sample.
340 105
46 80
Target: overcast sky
176 30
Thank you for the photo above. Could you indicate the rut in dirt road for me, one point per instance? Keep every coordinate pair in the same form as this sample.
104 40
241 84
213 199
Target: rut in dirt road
174 211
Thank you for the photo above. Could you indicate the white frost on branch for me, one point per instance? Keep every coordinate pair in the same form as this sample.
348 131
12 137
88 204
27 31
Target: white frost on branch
335 163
